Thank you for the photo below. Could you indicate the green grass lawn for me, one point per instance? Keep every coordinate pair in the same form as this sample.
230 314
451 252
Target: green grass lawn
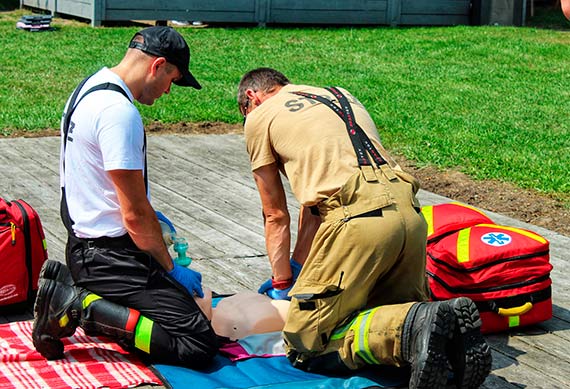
493 102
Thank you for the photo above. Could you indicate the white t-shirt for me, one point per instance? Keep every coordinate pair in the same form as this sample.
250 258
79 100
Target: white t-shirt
106 133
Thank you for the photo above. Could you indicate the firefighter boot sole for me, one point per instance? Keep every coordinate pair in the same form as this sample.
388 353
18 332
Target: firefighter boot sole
48 346
431 330
468 352
54 270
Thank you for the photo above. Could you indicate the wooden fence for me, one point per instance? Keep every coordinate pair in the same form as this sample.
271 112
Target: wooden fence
262 12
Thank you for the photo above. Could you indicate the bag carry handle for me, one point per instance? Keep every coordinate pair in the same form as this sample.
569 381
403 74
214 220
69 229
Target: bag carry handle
515 311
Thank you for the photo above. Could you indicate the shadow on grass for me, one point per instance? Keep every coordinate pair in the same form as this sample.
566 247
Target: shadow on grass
548 18
9 5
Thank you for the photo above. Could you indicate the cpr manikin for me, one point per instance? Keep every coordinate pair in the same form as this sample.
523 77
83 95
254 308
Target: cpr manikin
244 313
237 316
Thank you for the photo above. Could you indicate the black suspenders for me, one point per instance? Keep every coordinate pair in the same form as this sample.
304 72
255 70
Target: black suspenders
63 209
360 141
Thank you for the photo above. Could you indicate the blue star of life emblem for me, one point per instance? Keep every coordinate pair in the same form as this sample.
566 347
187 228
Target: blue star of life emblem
496 239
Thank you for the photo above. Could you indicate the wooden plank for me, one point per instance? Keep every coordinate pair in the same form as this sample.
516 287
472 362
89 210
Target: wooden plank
558 325
436 7
183 5
394 12
48 5
327 17
83 9
553 345
173 160
46 166
239 11
212 17
434 20
504 368
35 180
497 382
225 198
229 151
536 367
214 166
214 229
231 275
329 5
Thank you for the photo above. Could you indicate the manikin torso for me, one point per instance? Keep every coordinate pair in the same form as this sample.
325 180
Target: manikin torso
244 313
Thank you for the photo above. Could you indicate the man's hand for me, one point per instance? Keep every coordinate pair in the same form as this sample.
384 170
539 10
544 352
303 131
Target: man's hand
188 278
273 290
274 293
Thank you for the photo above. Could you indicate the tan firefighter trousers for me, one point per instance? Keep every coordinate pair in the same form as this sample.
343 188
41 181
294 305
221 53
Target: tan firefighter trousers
365 269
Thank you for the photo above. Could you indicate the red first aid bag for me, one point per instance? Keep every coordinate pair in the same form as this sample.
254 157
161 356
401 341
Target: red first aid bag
504 270
22 252
444 219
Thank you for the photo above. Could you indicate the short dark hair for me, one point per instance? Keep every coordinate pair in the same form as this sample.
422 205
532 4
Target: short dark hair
260 79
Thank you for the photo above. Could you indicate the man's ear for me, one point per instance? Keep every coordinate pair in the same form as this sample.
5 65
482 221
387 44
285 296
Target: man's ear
252 96
156 63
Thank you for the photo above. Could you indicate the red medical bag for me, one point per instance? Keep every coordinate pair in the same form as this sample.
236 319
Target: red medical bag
444 219
504 270
22 252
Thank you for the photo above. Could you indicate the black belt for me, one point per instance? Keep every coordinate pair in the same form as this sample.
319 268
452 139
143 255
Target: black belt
374 213
314 210
106 242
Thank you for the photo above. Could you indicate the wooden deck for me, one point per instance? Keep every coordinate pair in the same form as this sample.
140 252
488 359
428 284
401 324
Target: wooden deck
204 185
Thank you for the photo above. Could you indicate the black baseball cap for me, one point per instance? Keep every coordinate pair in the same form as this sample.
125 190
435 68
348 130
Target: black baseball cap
163 41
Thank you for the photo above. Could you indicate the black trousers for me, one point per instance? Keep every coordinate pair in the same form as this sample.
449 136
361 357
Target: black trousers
115 269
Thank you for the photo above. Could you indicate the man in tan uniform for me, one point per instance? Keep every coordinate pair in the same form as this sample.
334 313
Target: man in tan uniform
360 296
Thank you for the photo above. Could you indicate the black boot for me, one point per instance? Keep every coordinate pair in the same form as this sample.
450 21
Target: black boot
54 270
103 317
428 327
468 353
57 311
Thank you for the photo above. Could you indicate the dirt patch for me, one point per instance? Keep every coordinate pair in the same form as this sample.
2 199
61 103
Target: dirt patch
194 128
500 197
526 205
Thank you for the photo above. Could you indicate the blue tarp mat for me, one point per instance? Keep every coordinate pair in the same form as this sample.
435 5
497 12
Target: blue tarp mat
274 373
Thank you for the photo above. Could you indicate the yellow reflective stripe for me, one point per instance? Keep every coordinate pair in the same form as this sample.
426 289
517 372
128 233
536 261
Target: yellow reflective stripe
366 345
357 327
517 230
427 211
143 333
91 297
44 243
340 332
463 245
63 320
514 321
361 328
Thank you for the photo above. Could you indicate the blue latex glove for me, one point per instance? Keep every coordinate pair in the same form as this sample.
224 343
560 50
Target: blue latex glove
281 294
295 269
265 287
164 219
188 278
278 294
